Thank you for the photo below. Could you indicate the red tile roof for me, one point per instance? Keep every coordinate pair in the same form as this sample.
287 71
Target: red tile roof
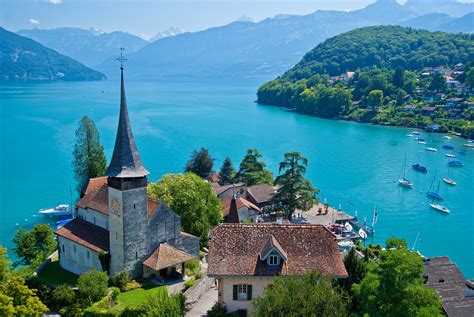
234 250
165 256
97 199
233 215
95 183
86 234
241 202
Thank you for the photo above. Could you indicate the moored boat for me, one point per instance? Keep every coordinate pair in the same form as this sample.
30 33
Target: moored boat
455 163
402 180
469 145
416 132
421 142
447 137
448 147
450 181
440 208
434 194
450 155
419 168
431 149
60 210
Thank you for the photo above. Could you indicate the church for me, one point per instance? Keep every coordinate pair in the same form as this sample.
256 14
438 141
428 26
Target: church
118 227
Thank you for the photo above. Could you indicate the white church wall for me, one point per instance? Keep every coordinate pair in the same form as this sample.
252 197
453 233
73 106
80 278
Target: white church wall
76 258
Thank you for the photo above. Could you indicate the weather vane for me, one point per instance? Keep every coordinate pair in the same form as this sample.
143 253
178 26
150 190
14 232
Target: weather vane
121 59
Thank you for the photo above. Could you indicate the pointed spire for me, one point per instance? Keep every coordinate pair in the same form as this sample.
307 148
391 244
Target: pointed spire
233 216
125 162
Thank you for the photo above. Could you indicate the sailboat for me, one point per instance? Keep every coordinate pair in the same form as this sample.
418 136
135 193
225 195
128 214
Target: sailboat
449 180
434 194
418 166
455 163
402 181
431 148
440 208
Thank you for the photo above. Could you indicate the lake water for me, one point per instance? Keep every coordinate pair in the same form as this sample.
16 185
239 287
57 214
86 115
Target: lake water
355 165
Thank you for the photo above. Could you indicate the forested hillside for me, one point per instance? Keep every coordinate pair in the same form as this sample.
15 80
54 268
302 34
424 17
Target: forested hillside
25 59
370 74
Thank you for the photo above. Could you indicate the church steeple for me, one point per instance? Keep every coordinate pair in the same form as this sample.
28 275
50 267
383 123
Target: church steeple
125 162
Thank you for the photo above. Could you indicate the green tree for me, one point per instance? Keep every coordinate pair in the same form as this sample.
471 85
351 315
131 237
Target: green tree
374 100
355 268
200 163
227 172
393 286
398 78
308 295
294 191
88 155
62 296
470 78
438 82
119 280
92 286
396 243
16 299
252 171
191 198
164 305
34 246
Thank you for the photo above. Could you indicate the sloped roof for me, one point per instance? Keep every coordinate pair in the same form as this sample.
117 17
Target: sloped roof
241 202
270 244
260 193
233 216
86 234
234 249
166 255
94 183
125 160
218 190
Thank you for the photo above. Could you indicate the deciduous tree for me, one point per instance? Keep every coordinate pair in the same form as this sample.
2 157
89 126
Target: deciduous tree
191 198
34 246
88 155
92 286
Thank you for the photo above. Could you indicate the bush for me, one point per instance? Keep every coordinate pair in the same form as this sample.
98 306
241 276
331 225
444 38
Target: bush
119 280
92 286
134 311
192 268
132 285
189 283
62 296
219 311
95 312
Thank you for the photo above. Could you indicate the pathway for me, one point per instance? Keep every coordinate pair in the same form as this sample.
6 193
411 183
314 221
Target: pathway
207 300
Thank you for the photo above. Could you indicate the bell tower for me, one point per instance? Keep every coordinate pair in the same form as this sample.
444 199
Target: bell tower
127 197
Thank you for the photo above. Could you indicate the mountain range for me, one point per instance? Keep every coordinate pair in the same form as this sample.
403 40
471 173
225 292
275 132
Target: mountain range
91 47
24 59
171 31
269 47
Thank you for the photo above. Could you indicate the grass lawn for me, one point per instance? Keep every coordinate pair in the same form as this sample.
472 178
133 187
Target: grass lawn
138 296
54 275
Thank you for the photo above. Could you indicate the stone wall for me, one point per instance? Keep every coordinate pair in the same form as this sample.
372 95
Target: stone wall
95 217
195 292
76 258
163 226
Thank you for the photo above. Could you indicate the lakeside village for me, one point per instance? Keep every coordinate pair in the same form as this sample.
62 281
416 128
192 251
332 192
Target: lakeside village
134 248
444 102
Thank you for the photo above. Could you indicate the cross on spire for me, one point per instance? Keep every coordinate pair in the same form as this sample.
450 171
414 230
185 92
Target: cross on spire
121 58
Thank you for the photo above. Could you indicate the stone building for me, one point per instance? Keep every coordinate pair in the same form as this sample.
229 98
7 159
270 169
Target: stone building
118 227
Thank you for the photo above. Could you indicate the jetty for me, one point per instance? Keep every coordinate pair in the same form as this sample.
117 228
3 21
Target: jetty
324 215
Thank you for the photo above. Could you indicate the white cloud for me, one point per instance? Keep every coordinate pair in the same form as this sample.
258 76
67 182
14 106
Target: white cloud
34 21
55 1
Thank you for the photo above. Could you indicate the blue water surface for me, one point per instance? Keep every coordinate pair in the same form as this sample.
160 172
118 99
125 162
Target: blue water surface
354 165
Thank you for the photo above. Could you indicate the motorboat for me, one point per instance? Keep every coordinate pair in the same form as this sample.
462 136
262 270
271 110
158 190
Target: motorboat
440 208
420 168
450 181
455 163
447 137
421 142
60 210
416 132
450 155
431 149
410 135
469 145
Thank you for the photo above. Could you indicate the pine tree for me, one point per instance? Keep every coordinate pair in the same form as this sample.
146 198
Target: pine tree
227 172
88 156
200 163
252 171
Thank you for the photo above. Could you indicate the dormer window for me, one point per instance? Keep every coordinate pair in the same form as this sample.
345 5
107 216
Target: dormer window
273 260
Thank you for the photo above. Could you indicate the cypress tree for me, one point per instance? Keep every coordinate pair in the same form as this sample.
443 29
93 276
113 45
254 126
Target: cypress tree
227 172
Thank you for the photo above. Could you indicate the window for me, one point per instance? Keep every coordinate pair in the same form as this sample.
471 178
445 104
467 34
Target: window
74 247
63 248
94 219
88 254
273 259
242 292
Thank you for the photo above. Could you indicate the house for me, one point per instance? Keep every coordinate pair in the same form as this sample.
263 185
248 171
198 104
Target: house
427 111
260 195
409 108
118 227
456 293
245 258
244 209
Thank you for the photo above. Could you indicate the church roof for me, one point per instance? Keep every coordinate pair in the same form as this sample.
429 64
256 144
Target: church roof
241 202
166 255
86 234
233 216
94 183
125 160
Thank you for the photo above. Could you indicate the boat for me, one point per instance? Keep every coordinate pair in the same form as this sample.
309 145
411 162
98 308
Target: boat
450 181
434 194
416 133
421 142
410 135
60 210
448 147
431 149
455 163
348 226
419 168
402 181
462 151
469 145
450 155
345 245
447 137
362 234
440 208
62 223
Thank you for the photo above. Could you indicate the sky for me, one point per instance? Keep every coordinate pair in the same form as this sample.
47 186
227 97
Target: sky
147 17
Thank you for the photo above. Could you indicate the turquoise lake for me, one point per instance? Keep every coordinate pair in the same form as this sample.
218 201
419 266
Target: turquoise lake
354 165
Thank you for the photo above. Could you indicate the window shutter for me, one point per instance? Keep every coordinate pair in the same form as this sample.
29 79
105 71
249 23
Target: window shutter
234 297
249 292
